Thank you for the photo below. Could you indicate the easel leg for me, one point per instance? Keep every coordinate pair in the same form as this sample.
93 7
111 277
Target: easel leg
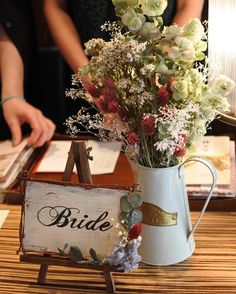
42 273
111 288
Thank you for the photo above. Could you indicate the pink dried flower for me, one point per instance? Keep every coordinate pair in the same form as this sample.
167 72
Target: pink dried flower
163 95
133 138
148 125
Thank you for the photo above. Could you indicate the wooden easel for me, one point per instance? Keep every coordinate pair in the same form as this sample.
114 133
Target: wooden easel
79 156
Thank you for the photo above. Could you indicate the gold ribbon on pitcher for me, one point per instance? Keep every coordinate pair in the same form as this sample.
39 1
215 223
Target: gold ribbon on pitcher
153 215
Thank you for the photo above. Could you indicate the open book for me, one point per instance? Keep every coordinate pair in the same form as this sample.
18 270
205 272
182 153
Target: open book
105 156
12 159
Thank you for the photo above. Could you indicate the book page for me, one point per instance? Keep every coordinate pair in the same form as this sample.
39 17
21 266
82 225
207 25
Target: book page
16 168
105 156
8 155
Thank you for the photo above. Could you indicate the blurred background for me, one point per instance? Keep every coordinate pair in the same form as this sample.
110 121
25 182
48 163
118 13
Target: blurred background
54 77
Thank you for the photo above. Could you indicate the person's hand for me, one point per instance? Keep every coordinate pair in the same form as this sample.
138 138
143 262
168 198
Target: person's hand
17 112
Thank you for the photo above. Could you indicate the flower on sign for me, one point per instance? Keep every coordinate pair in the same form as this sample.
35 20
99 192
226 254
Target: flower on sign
149 85
135 231
126 257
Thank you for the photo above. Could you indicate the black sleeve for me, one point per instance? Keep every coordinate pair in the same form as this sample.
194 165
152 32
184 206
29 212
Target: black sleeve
17 19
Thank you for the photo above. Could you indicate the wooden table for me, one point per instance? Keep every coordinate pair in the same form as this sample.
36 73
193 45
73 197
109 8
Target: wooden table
211 269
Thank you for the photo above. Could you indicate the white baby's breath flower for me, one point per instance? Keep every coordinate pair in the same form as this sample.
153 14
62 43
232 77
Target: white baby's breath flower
93 46
147 69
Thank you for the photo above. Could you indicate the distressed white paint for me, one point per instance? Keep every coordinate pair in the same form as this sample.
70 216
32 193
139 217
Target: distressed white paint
44 201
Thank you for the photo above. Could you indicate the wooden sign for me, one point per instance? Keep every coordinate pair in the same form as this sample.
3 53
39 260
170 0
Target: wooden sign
56 214
97 227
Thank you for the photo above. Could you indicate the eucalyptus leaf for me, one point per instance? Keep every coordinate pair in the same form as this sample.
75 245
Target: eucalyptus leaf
93 255
65 246
136 217
75 254
62 251
135 200
122 216
125 220
124 204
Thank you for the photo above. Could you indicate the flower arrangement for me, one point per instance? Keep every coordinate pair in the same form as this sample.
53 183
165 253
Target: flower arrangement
149 85
125 254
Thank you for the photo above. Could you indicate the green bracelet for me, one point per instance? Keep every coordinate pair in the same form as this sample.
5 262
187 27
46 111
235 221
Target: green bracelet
11 97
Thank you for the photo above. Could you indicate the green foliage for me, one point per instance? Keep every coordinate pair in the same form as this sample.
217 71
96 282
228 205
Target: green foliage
62 251
124 204
75 254
136 216
135 200
94 255
130 214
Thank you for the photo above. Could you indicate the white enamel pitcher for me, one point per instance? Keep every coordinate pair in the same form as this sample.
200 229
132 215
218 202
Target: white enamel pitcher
167 232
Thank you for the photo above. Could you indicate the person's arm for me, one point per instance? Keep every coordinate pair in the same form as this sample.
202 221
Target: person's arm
187 9
64 33
16 111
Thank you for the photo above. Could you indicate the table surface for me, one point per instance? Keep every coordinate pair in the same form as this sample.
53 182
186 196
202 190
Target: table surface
211 269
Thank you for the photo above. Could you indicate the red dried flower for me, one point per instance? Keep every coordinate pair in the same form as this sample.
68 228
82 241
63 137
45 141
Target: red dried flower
108 81
93 90
133 138
135 231
113 106
180 150
122 114
148 125
102 105
163 95
108 93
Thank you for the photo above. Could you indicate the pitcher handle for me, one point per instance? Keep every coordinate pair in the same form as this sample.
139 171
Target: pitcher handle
212 169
